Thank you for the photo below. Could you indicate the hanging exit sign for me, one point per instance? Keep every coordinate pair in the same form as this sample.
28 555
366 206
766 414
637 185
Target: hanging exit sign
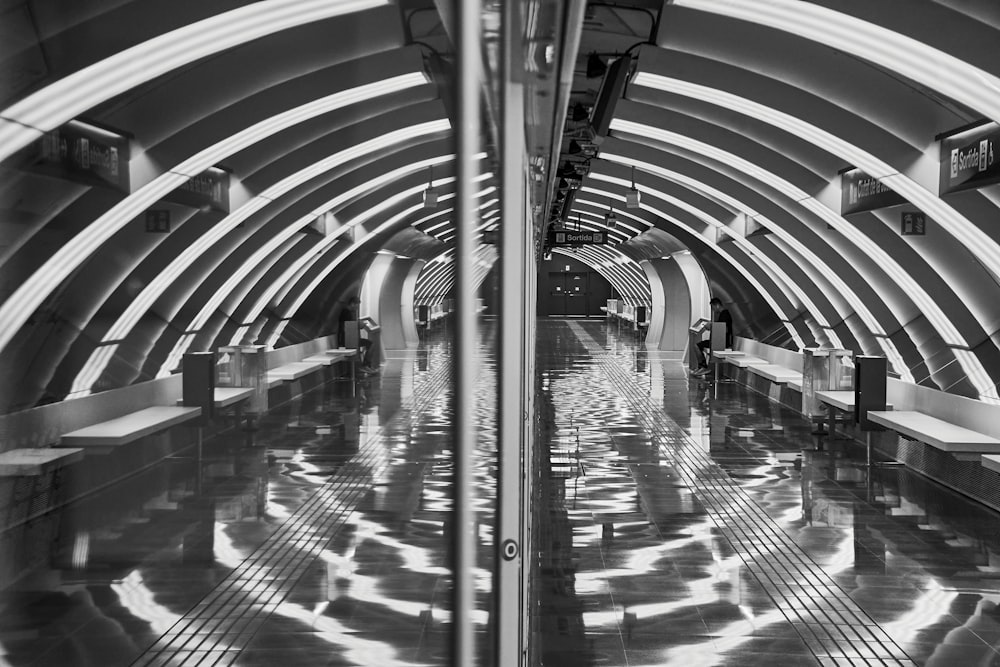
565 237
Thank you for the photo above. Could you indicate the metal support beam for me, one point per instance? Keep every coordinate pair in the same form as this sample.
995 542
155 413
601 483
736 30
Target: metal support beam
468 88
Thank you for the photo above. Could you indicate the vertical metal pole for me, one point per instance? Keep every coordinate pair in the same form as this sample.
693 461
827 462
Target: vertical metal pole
467 137
515 381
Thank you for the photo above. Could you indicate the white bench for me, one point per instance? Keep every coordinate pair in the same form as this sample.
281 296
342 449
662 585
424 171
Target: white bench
745 360
225 397
291 371
838 400
776 374
104 437
962 442
31 462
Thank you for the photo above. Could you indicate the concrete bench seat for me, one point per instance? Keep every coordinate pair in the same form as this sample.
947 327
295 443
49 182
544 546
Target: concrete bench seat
292 371
104 437
746 360
775 373
938 433
31 462
321 359
225 397
841 400
228 396
339 353
991 461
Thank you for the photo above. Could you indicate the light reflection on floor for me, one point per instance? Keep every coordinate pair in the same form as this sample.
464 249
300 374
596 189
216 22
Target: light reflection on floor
646 556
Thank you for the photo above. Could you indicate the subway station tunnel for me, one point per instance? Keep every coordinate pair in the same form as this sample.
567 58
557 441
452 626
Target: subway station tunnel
534 202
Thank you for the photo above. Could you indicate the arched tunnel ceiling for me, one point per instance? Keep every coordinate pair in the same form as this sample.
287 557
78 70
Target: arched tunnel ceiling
330 120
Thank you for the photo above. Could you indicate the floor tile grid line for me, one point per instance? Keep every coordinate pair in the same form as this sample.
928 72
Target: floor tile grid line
231 585
820 626
771 569
248 626
252 604
313 505
782 538
574 447
693 459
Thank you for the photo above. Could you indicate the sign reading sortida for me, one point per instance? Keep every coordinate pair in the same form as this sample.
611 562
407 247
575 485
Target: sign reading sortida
971 158
861 192
566 237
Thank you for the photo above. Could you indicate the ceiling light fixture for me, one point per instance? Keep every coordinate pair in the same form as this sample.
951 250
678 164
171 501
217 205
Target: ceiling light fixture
632 197
981 245
32 292
910 57
85 89
430 194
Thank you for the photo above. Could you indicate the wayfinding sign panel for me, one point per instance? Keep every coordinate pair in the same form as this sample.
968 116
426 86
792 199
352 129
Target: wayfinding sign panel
971 159
567 237
861 192
84 153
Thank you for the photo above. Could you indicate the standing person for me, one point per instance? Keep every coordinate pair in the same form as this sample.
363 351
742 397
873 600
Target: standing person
719 314
349 313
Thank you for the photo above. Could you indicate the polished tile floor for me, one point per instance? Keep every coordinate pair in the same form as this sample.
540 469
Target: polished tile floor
673 527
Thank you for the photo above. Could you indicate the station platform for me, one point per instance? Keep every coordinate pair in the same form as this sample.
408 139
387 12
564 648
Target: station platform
674 525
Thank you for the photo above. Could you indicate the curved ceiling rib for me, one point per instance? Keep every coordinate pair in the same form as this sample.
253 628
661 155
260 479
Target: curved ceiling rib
61 101
931 67
980 245
805 258
138 307
725 256
20 305
927 305
764 263
282 286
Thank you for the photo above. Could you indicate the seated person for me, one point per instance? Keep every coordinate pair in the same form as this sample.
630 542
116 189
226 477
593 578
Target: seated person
348 314
719 314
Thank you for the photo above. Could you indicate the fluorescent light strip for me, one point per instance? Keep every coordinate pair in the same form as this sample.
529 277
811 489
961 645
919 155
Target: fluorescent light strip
97 362
16 310
321 276
315 251
85 89
613 272
879 256
598 218
646 225
809 257
776 273
621 223
595 222
912 58
629 277
433 275
294 272
984 248
945 328
765 294
176 354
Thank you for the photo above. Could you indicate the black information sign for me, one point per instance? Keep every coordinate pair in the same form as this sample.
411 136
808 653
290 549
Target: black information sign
158 221
81 152
861 192
912 223
208 190
971 159
565 237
